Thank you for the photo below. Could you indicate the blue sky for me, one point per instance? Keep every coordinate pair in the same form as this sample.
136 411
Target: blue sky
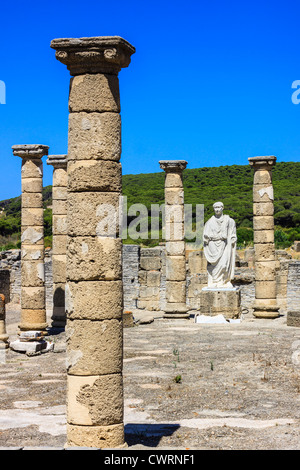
210 82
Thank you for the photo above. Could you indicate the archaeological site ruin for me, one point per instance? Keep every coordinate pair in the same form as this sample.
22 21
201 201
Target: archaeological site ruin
92 287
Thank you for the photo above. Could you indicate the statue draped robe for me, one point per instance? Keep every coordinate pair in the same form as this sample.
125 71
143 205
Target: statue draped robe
219 249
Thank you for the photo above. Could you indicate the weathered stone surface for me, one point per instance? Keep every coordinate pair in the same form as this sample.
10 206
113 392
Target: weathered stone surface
174 231
95 400
32 200
59 245
32 273
265 251
264 270
150 263
59 225
221 302
94 136
91 175
32 252
101 437
59 268
60 177
33 319
32 217
59 193
175 248
147 292
263 222
33 297
94 258
153 278
196 262
93 214
173 180
94 347
174 196
263 236
59 206
293 319
263 209
94 93
175 268
263 177
94 300
32 185
175 291
33 235
262 193
265 289
32 168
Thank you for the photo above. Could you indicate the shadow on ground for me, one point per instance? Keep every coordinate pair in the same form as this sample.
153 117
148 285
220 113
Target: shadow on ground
148 434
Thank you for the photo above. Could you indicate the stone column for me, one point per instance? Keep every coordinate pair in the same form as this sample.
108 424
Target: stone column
94 294
33 311
265 305
3 334
176 306
59 237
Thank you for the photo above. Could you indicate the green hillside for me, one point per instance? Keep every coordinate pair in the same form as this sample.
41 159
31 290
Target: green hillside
230 184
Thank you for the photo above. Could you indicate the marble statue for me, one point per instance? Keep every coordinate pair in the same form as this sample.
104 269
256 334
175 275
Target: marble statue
219 237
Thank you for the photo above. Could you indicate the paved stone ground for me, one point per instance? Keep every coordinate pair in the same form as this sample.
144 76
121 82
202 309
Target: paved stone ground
186 386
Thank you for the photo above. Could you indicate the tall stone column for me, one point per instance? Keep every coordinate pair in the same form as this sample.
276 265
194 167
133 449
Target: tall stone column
59 237
94 293
176 306
265 305
33 310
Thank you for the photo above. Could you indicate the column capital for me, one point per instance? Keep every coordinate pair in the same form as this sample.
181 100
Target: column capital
103 54
262 163
173 166
30 151
58 161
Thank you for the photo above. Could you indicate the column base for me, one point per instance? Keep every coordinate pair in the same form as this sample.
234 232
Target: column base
101 437
265 308
176 311
34 327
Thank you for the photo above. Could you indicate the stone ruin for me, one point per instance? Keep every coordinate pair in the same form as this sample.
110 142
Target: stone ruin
89 280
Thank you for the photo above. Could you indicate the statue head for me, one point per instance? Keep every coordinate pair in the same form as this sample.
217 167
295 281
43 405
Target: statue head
218 208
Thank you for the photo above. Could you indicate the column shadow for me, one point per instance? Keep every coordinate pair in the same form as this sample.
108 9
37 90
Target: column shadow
148 434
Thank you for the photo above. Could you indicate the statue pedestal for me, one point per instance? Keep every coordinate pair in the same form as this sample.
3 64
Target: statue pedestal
224 301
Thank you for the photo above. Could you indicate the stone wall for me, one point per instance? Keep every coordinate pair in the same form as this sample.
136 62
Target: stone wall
144 279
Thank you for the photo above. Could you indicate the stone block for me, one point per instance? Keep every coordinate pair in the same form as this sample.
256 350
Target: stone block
143 277
150 263
264 270
263 177
59 193
174 231
297 246
173 180
60 177
263 222
197 262
32 235
94 136
32 273
293 318
266 308
59 206
175 248
33 319
94 93
59 268
95 175
32 185
174 196
265 289
175 291
175 268
263 209
265 251
94 258
95 400
30 346
150 252
151 305
32 168
32 200
32 217
174 213
263 193
94 347
59 245
93 214
263 236
147 293
94 300
59 225
153 278
32 252
33 297
101 437
226 302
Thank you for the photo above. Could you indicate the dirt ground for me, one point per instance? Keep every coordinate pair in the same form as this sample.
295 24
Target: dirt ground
186 386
